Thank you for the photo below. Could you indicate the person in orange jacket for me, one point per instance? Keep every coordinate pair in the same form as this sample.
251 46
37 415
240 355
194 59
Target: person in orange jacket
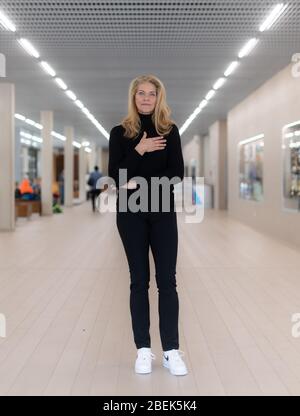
26 189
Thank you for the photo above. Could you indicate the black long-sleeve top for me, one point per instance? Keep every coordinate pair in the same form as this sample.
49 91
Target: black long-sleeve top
164 162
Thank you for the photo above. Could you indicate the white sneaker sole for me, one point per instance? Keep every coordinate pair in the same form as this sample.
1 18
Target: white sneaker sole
141 371
177 373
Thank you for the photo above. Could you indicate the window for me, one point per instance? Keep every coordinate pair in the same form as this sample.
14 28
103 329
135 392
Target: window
291 166
251 153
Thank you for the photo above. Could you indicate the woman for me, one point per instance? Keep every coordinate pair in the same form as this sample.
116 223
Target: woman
147 144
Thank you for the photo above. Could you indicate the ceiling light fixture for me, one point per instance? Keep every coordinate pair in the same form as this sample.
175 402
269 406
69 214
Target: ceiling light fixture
28 47
20 117
6 23
48 69
210 94
250 45
232 67
273 16
71 95
61 83
219 83
79 104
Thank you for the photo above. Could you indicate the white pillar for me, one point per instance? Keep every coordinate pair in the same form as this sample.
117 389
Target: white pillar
7 157
18 156
218 147
99 159
201 156
39 163
92 157
47 162
82 174
69 166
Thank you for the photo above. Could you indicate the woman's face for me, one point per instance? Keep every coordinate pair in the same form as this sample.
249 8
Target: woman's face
145 98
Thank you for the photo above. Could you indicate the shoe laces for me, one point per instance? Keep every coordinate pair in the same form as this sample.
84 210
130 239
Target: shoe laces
144 355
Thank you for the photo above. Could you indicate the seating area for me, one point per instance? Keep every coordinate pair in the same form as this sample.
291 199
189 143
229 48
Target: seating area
25 208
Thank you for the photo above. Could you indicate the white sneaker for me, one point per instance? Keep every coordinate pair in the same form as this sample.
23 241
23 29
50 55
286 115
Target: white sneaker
173 361
143 363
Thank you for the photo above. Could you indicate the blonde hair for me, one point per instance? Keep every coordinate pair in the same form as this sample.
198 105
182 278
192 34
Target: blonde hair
161 115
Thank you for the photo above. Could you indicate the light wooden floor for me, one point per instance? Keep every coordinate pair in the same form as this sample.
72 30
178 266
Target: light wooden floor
64 290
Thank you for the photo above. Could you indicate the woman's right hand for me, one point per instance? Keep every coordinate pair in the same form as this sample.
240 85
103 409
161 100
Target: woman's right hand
150 144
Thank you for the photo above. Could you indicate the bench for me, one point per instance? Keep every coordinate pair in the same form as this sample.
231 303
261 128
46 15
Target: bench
24 209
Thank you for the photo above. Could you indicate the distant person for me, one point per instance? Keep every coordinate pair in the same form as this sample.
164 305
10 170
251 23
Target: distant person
37 188
26 189
61 184
17 191
92 182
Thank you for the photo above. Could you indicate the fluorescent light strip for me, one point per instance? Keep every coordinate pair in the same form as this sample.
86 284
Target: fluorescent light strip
48 69
61 83
26 135
58 136
25 141
210 94
71 95
37 139
30 122
88 150
6 23
85 111
273 16
252 139
31 137
232 67
28 47
20 117
76 144
79 104
219 83
40 127
250 45
203 104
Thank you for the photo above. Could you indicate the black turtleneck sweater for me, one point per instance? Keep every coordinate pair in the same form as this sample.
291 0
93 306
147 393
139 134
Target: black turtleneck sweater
123 155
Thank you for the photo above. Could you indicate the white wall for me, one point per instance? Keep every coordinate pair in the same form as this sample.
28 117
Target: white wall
207 161
267 110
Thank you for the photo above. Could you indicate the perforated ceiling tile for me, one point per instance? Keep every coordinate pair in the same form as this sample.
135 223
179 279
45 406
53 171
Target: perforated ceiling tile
97 47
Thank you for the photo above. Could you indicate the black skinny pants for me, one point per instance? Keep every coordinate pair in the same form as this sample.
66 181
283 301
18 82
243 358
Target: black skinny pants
94 193
138 232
